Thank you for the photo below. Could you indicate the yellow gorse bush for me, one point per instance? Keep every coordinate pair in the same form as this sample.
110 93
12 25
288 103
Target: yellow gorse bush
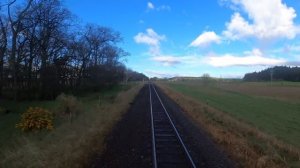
36 118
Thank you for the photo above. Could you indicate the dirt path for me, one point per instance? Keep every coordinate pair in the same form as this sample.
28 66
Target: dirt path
129 144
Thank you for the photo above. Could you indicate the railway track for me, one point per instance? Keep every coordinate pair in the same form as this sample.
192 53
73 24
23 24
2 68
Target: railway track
168 149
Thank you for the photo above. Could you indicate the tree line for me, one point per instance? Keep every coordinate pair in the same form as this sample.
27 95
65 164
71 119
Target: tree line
277 73
44 52
131 75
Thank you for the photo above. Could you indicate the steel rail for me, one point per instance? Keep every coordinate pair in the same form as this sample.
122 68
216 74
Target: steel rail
177 133
152 131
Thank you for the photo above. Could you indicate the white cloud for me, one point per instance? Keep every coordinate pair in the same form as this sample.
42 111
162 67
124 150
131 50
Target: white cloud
238 28
168 74
253 58
150 5
293 48
150 38
290 49
267 19
167 60
160 74
170 60
205 39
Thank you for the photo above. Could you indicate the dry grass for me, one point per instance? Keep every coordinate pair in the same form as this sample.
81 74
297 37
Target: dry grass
248 146
68 106
71 144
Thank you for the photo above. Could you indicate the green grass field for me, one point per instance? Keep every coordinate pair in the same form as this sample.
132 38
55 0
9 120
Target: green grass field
280 119
8 121
71 142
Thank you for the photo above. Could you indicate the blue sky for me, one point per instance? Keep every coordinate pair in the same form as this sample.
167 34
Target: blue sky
225 38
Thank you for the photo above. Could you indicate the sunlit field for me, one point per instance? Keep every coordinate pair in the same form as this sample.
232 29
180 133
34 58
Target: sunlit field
270 108
274 109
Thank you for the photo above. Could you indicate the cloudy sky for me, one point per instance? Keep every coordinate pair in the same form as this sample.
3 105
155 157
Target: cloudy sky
225 38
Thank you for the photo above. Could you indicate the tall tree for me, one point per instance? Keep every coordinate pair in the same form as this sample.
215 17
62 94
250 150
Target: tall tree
16 27
42 54
3 48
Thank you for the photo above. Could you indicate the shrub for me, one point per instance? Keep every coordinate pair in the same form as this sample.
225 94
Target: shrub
36 118
69 106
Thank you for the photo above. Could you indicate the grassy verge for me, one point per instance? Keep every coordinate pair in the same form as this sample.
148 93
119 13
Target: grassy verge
256 131
71 143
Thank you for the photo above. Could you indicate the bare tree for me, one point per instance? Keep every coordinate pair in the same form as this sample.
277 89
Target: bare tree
3 47
41 54
16 28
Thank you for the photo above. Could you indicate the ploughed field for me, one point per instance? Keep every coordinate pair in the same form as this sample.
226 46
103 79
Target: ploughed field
273 108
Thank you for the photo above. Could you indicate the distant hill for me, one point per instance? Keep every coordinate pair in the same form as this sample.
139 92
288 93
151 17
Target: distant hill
277 73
